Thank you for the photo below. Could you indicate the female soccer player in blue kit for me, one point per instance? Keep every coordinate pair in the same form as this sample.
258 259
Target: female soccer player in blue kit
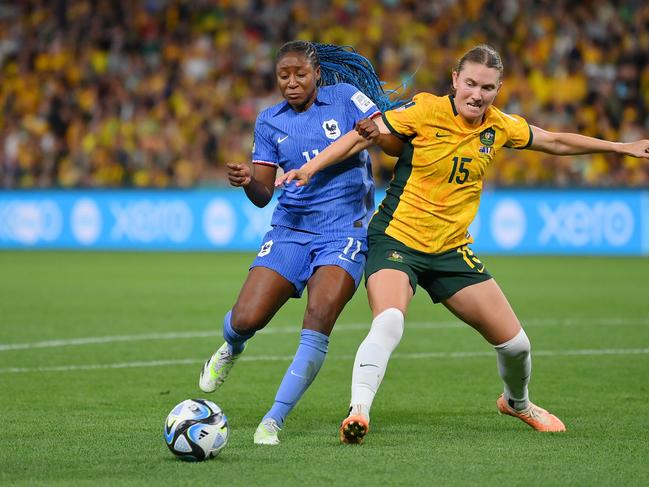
318 236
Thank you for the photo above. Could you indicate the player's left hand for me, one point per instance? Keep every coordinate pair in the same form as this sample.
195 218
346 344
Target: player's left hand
639 148
301 177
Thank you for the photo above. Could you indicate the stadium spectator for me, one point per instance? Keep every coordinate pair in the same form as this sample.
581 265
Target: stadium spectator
160 93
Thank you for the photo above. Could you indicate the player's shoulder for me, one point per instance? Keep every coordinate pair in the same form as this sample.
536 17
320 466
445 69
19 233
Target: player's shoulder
422 100
428 99
272 111
504 118
339 90
347 95
419 106
342 92
424 96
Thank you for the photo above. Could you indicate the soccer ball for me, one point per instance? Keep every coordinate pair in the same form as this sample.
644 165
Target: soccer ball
196 429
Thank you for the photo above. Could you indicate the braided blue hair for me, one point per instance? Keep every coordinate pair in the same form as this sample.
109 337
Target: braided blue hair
342 64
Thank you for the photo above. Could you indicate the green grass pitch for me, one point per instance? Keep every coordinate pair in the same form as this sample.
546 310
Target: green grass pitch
96 348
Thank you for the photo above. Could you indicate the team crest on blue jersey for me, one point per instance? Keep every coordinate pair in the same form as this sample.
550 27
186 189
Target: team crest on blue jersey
488 136
331 129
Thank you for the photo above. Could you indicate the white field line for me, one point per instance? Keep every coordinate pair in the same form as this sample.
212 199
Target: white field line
4 347
286 358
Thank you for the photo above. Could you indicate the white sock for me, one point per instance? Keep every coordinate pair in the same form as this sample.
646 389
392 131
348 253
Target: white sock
372 358
515 366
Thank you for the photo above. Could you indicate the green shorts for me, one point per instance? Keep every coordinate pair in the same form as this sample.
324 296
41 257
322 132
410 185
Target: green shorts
441 275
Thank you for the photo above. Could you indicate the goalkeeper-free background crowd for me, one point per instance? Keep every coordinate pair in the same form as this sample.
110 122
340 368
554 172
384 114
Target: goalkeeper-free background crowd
159 94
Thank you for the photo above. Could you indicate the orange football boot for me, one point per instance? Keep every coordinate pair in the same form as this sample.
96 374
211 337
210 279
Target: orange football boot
353 429
538 418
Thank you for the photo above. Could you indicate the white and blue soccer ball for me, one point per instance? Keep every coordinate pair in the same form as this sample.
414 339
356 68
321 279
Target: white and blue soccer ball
196 429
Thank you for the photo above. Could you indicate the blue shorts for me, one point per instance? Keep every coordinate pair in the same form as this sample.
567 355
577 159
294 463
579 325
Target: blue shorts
296 255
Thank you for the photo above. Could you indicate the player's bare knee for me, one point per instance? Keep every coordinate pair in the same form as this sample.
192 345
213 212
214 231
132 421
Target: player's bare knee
245 320
320 318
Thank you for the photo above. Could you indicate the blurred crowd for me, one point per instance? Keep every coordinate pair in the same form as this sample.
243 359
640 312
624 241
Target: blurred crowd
162 93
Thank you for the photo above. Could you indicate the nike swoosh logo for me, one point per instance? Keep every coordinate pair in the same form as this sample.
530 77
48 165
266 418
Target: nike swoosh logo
346 259
297 375
368 365
481 270
441 135
281 139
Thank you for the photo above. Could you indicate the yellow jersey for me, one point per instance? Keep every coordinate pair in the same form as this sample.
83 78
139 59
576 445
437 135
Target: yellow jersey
435 191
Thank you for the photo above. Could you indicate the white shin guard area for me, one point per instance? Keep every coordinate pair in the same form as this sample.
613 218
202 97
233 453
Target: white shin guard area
373 355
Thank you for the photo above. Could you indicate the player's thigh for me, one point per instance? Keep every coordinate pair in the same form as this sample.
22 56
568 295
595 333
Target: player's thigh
288 253
484 306
391 274
389 288
263 293
330 288
336 269
444 274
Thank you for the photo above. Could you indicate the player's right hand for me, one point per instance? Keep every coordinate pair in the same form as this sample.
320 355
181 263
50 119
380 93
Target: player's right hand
300 176
368 129
239 174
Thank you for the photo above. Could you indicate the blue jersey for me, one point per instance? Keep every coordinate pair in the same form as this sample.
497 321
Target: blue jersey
338 199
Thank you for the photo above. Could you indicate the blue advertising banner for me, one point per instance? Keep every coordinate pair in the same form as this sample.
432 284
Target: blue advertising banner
509 221
134 220
563 222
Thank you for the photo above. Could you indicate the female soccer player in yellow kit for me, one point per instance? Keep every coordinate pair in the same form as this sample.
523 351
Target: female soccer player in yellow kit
419 235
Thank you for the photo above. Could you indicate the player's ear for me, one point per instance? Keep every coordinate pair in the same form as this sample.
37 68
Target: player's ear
454 79
316 74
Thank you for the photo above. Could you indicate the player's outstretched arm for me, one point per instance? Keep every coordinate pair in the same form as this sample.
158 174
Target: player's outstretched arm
346 146
259 186
561 143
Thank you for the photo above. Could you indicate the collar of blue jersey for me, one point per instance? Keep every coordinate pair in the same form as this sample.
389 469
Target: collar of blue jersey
323 97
